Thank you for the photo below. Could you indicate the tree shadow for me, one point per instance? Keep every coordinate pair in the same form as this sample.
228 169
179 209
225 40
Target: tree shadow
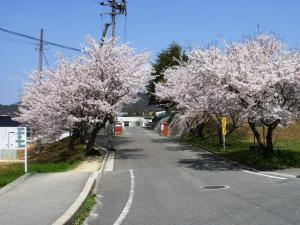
111 142
130 154
210 162
162 141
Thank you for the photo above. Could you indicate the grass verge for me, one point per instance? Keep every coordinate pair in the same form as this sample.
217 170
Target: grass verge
84 211
55 157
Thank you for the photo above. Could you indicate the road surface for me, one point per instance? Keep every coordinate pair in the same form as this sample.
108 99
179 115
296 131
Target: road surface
152 180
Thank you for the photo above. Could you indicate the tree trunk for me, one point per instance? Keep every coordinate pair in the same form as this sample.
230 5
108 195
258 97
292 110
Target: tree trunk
72 140
39 146
256 135
198 130
83 136
269 147
231 129
269 137
92 138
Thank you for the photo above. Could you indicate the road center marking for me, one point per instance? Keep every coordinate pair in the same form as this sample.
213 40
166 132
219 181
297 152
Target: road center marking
109 166
266 175
129 201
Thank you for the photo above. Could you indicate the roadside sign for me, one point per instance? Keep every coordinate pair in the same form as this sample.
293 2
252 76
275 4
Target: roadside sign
13 141
223 125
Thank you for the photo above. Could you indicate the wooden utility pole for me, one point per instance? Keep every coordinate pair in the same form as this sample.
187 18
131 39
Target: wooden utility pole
41 49
117 8
113 19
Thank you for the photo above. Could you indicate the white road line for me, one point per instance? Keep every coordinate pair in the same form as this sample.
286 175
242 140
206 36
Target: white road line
262 174
109 166
281 174
129 202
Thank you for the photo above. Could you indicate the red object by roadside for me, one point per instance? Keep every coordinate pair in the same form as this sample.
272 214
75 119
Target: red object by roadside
118 128
165 129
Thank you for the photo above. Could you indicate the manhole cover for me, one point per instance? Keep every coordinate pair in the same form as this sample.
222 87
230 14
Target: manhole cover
214 187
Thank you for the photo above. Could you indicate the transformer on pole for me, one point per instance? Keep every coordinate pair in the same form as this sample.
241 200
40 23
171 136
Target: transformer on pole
117 8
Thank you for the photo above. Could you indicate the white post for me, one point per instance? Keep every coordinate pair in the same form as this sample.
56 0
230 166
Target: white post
224 139
25 153
25 159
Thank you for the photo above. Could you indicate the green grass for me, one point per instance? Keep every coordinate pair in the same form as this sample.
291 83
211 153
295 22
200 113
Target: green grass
54 158
286 154
84 211
9 173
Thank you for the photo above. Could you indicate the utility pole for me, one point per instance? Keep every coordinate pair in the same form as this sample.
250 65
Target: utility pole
41 49
117 8
113 19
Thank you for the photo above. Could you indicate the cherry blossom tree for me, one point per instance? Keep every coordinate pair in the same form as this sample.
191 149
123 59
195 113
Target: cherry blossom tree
257 79
265 75
199 88
82 94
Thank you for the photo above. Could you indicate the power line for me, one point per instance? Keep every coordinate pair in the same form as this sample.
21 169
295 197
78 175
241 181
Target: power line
44 54
37 39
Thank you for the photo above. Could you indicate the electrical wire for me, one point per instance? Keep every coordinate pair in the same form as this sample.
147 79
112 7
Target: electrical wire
44 54
37 39
16 40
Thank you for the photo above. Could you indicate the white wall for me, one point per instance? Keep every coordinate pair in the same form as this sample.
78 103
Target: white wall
133 120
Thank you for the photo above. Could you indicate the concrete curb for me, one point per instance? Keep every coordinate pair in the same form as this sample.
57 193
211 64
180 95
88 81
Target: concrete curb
89 188
100 171
67 217
14 183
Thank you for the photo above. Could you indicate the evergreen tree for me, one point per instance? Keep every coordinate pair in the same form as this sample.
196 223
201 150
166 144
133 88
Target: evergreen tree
165 59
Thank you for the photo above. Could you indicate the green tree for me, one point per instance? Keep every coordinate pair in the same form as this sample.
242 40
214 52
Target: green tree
165 59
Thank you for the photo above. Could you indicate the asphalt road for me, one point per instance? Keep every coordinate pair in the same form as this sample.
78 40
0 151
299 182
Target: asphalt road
155 181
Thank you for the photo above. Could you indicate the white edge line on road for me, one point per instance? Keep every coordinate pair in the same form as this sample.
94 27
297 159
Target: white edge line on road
281 174
129 201
266 175
109 165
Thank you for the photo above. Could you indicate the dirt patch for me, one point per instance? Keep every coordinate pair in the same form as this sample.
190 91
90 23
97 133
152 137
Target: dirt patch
91 164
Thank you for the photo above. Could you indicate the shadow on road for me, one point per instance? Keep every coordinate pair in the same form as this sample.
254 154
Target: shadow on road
210 162
162 141
130 154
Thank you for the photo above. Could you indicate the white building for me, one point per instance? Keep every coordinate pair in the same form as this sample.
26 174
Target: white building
133 121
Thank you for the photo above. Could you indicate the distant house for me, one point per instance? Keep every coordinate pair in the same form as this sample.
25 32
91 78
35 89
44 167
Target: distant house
133 121
6 121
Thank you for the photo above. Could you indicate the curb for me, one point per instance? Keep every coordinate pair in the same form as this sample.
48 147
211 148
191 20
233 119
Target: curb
89 188
14 183
67 217
100 171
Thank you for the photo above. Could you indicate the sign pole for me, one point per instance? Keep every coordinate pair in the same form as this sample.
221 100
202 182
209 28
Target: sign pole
25 160
224 131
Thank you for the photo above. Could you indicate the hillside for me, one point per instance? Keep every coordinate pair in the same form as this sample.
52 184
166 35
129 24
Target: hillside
8 109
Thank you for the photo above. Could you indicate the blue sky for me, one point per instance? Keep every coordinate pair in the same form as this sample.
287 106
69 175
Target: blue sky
151 25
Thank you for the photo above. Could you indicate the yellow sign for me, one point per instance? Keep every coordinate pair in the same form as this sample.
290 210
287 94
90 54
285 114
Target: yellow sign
223 125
